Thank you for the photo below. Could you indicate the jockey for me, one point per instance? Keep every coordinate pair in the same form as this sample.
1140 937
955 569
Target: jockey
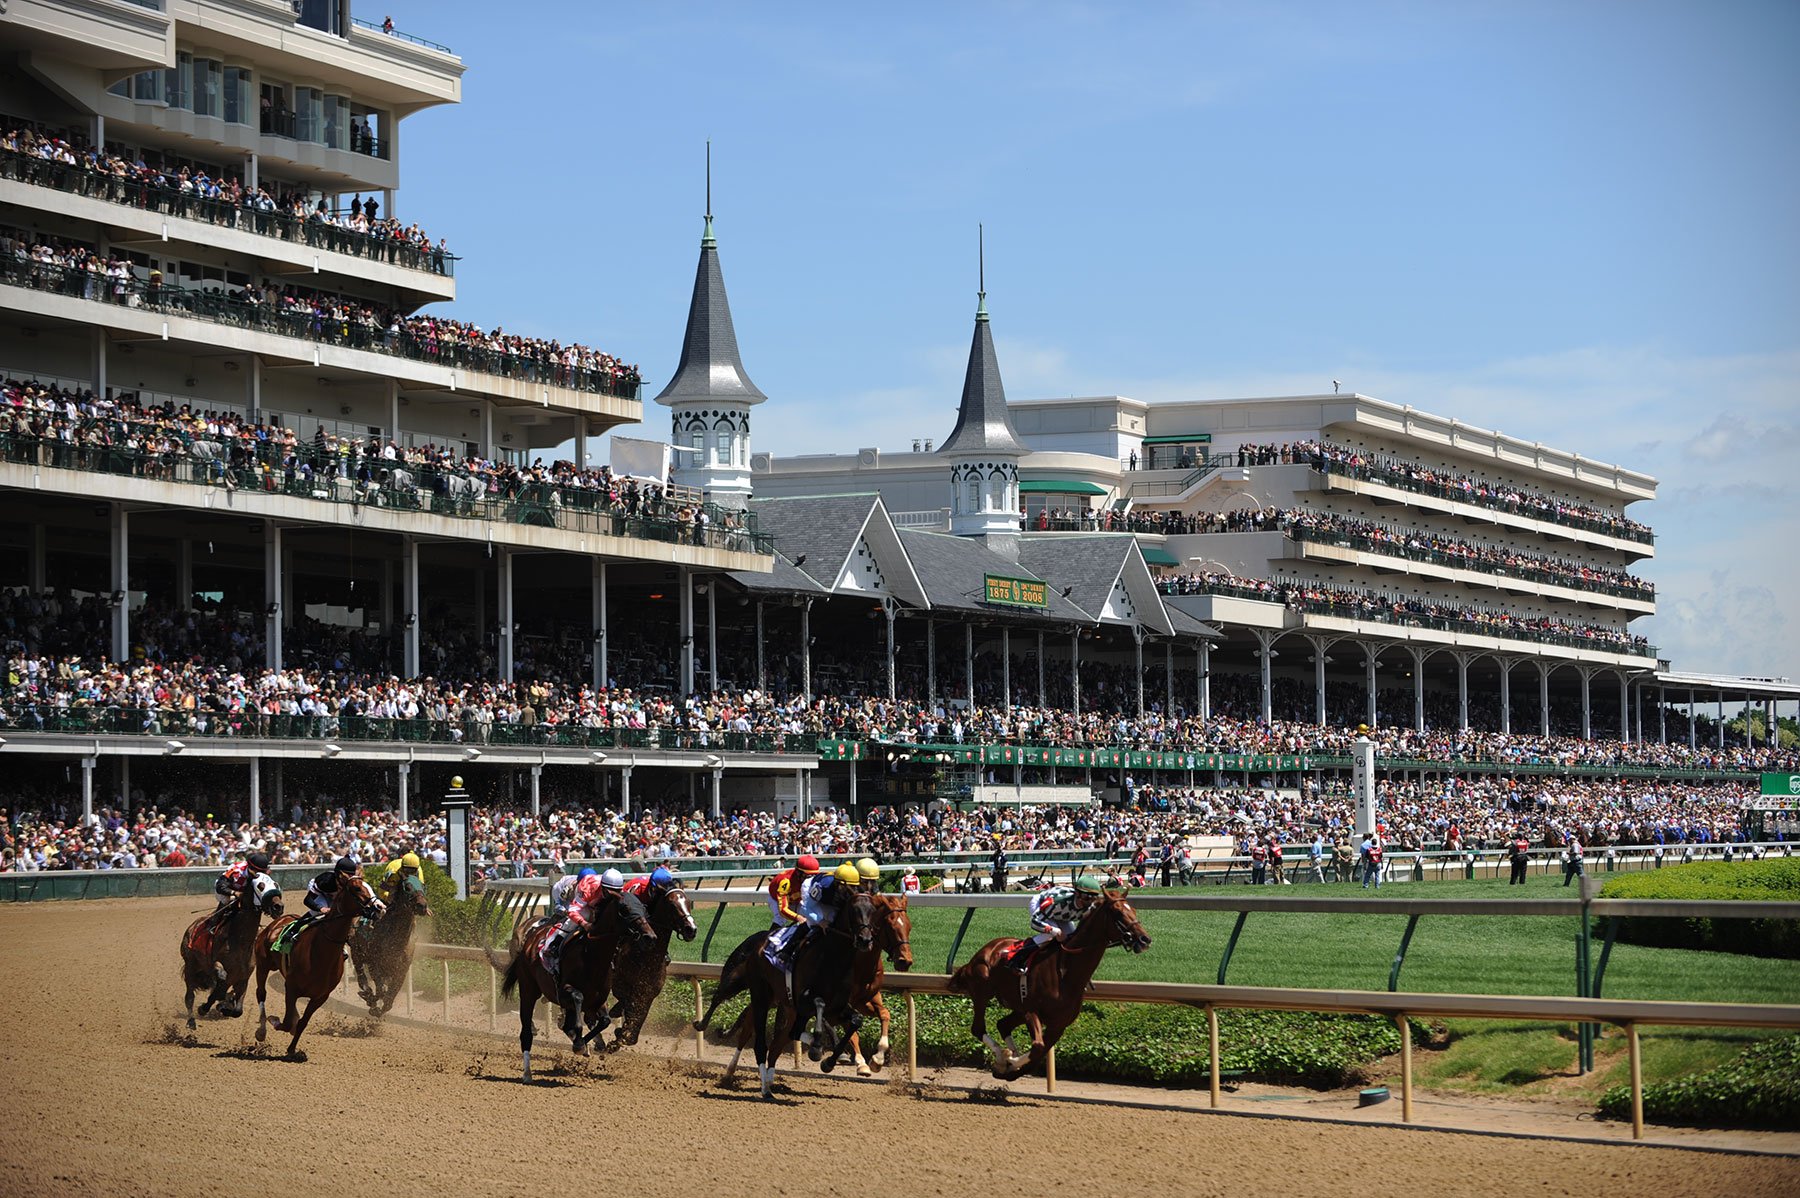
784 887
820 899
1055 914
869 873
236 878
909 881
394 875
647 888
323 889
591 893
562 894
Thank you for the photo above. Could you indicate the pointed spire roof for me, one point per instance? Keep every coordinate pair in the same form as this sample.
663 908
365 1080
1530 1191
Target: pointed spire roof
983 425
710 368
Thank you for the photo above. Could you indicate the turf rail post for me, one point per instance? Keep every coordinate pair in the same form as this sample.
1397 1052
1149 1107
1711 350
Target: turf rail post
962 928
1637 1082
1212 1052
1231 945
1412 921
912 1037
1405 1068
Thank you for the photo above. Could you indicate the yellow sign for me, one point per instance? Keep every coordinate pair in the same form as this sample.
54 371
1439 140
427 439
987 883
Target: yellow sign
1016 592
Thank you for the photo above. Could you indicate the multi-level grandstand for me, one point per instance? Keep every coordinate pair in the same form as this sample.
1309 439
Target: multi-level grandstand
286 535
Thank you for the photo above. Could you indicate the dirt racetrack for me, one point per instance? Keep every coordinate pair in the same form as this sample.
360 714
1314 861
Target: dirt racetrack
103 1096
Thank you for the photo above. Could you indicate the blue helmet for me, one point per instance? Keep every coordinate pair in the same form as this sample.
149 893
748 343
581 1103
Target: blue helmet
587 871
661 878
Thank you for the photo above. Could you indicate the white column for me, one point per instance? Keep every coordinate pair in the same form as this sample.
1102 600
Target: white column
1505 694
718 777
253 384
1203 679
1692 708
1005 668
184 573
1369 656
625 791
411 618
393 406
580 444
537 794
931 661
969 662
597 590
250 171
1719 724
1137 638
1418 689
1587 700
1543 698
503 596
762 677
255 790
403 789
1075 669
87 789
119 544
272 592
800 791
487 429
1319 645
1169 679
98 368
1265 654
806 649
1662 716
1624 708
889 610
1043 690
712 635
1462 691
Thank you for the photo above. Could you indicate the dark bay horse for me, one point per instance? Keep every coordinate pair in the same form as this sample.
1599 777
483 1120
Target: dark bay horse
643 965
893 940
1055 981
821 978
220 957
314 966
382 951
586 967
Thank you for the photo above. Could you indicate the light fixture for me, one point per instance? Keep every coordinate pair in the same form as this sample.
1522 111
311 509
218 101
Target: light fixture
2 742
599 634
714 761
598 756
412 619
174 746
116 598
470 753
333 750
272 609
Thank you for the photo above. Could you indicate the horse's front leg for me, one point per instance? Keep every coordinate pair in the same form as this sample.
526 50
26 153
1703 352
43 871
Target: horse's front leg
1040 1046
979 1029
852 1020
1006 1027
887 1021
312 1004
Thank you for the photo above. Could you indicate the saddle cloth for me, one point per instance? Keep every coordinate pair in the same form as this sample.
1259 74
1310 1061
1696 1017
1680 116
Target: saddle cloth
776 948
200 938
284 939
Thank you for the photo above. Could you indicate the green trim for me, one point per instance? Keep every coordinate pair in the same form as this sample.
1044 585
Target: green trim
1181 439
1059 486
1158 557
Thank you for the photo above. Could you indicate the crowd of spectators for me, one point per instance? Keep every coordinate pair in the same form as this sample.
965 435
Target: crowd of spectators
69 162
72 268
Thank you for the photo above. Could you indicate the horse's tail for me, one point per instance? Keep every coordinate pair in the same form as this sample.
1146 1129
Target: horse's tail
960 980
499 961
509 979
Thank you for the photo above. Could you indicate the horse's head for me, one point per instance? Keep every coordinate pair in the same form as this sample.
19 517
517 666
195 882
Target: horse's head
413 891
673 912
1121 921
358 896
856 919
265 893
893 929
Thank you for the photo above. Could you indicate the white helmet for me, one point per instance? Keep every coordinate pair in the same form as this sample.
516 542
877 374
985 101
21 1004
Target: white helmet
612 879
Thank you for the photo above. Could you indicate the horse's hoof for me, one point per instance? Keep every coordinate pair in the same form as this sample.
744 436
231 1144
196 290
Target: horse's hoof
828 1064
190 1023
864 1071
296 1055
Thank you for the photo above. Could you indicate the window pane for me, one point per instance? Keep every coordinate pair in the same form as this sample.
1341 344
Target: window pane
207 100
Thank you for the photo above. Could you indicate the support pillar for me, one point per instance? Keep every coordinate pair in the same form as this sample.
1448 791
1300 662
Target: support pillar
712 636
393 407
403 790
1662 716
597 598
1462 691
1203 679
625 792
1587 703
762 676
184 573
1624 707
409 601
503 592
255 791
253 383
718 778
1543 697
1006 669
889 610
1169 679
1265 653
1692 708
274 561
99 362
1320 644
1043 691
806 649
1137 638
931 693
1719 724
1506 665
969 662
1370 654
119 546
87 789
537 780
281 790
1075 669
685 596
1418 657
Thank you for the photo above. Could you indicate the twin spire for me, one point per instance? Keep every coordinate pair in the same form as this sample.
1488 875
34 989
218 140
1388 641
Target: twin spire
983 425
710 369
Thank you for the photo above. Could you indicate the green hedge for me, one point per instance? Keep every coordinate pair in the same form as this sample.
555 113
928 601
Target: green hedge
1777 880
454 920
1759 1088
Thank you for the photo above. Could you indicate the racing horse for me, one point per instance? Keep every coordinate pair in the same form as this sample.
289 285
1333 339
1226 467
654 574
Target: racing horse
219 957
381 952
643 965
821 974
893 939
314 965
586 967
1055 981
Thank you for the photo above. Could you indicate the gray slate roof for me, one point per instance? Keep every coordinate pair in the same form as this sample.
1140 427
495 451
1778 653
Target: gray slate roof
953 569
710 368
821 528
983 424
1089 564
784 579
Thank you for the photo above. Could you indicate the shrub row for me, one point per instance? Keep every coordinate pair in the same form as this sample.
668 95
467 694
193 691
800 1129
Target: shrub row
1758 1088
1774 879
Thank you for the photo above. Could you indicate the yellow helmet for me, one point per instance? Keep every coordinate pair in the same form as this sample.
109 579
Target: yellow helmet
867 870
847 874
393 867
410 861
456 782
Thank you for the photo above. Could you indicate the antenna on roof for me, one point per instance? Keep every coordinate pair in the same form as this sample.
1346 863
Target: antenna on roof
981 271
709 180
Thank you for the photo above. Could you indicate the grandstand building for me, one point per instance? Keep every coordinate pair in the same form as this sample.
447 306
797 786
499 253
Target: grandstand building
243 437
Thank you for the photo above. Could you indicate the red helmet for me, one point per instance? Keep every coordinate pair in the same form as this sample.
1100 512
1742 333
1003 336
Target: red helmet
808 864
588 890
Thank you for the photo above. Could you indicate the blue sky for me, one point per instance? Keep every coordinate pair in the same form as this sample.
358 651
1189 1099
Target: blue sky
1573 222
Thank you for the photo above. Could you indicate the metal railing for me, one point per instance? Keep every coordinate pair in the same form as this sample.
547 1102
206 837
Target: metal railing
364 330
432 492
1523 571
1387 476
1146 488
373 27
171 201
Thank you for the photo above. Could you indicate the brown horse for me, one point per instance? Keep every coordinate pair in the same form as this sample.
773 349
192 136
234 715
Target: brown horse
314 966
821 977
893 939
585 969
643 965
219 957
382 952
1055 981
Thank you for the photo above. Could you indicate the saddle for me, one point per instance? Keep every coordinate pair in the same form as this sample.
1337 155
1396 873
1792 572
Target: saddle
284 939
200 939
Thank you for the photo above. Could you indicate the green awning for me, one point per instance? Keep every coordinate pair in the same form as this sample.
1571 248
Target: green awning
1158 557
1183 439
1059 486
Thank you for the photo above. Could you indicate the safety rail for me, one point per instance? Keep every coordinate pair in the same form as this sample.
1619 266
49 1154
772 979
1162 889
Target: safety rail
1585 1012
388 30
1523 571
366 330
169 200
430 491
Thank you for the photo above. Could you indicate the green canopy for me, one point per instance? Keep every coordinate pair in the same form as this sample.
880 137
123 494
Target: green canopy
1158 557
1182 439
1059 486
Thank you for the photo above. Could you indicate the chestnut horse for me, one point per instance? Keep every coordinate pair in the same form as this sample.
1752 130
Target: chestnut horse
643 965
314 965
1055 981
586 968
220 957
382 951
821 976
893 938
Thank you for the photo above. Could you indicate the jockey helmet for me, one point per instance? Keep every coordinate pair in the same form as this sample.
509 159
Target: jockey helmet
258 862
867 870
410 861
456 782
347 864
612 879
808 864
588 890
1087 884
587 871
661 878
847 874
